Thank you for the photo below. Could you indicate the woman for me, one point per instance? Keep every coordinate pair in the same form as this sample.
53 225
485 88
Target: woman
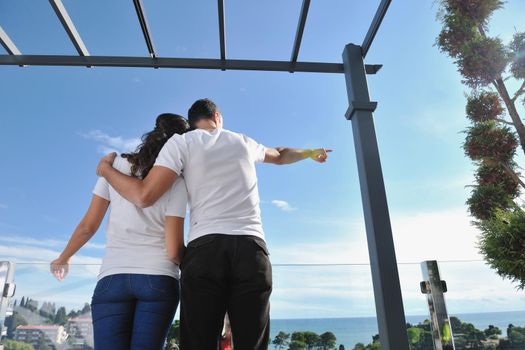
137 293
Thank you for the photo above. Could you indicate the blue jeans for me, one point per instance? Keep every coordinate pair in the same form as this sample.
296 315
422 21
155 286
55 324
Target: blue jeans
133 311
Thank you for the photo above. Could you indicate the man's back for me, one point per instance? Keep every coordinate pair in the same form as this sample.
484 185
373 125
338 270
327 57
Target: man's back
219 168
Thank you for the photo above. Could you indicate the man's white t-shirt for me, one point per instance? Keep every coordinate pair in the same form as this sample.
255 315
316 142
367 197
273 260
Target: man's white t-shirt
219 169
135 237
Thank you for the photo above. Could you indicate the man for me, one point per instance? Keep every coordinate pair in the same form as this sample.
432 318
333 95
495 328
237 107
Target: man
226 266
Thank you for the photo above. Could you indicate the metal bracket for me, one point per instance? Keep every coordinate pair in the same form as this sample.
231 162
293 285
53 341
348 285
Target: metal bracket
360 106
425 289
9 290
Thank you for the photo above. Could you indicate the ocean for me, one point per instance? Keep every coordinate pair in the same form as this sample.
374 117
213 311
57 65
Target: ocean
350 331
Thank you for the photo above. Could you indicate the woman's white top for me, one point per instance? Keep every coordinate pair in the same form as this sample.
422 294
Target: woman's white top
135 237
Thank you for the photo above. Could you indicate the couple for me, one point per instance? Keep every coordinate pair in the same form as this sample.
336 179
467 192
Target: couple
225 267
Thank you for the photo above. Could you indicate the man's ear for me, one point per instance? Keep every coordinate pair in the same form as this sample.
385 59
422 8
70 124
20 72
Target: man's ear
216 117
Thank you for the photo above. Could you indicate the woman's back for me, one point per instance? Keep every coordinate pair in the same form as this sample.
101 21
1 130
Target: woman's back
135 236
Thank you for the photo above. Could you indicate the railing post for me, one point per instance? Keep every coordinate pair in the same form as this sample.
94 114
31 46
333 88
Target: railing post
7 290
385 278
435 288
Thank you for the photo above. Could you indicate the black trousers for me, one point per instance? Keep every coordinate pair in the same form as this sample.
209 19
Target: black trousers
225 273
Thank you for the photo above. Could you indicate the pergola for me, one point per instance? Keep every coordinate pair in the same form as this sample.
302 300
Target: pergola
385 277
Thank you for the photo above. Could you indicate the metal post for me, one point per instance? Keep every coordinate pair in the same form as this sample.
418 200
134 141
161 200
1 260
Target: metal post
385 278
7 290
435 288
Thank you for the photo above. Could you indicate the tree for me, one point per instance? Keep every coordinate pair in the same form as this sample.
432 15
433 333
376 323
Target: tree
492 332
311 339
297 345
47 310
61 317
516 337
486 65
281 340
328 340
12 322
31 305
86 309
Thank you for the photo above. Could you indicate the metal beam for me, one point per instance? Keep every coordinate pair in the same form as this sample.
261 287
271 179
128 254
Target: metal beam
69 26
8 44
385 277
434 288
164 62
144 26
374 27
300 31
220 5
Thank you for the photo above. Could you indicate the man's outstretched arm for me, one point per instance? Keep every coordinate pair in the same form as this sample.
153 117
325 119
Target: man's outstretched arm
284 155
142 193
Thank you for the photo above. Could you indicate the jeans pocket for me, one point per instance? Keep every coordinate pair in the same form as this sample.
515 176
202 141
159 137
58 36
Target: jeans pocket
103 286
162 284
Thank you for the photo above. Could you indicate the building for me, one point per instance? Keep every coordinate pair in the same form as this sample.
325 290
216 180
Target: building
39 335
80 330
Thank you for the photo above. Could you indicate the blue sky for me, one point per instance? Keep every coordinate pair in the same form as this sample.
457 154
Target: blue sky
56 122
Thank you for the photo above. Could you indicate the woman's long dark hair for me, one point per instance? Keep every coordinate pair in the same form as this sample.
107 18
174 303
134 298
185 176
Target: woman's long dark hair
143 158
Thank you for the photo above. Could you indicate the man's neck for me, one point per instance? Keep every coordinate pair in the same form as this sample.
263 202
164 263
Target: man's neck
209 127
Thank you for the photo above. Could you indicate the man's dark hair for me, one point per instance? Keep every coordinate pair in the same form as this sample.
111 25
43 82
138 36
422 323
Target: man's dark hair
201 109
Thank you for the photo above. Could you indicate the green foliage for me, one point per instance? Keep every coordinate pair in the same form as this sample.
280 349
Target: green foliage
466 337
297 345
311 339
490 141
516 338
482 61
86 309
483 106
414 335
61 317
305 340
485 200
327 340
492 332
47 310
16 345
456 33
517 49
496 174
281 340
31 304
502 244
478 11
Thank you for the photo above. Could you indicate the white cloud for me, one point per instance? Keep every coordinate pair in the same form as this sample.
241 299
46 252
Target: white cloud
108 144
3 206
339 291
283 205
418 236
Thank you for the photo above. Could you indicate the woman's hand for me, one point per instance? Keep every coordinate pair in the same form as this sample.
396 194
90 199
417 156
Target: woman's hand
106 163
320 154
59 268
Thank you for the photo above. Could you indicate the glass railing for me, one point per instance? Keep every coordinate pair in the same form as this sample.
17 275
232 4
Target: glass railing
312 306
